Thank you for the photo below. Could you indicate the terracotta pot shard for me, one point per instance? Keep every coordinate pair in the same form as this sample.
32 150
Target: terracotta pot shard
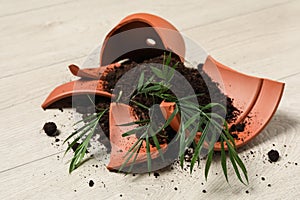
89 83
119 115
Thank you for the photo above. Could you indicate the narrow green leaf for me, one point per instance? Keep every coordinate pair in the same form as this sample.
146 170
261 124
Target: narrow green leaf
130 153
235 168
198 147
141 81
135 122
86 119
208 163
135 157
168 60
132 131
148 153
157 72
210 105
139 104
155 140
223 160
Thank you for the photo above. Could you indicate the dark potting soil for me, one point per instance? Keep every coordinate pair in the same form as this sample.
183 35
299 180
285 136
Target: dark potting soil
91 183
199 81
50 129
156 174
273 155
238 127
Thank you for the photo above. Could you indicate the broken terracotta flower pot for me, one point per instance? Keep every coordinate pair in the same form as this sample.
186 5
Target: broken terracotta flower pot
89 83
256 98
145 36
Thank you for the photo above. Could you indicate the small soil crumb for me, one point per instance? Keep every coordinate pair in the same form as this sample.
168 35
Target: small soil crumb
75 190
273 155
269 185
188 154
237 127
50 129
121 195
204 191
156 174
263 178
57 140
91 183
247 191
175 188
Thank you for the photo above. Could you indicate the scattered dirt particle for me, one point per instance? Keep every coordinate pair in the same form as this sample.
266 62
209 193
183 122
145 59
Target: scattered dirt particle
237 127
263 178
269 185
204 191
240 127
57 140
91 183
175 188
75 190
50 129
273 155
121 195
156 174
247 191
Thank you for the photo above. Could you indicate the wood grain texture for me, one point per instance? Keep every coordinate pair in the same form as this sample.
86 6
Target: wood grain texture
40 38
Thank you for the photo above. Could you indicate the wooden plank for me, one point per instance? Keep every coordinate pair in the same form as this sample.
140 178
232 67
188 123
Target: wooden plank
257 43
57 33
44 81
10 8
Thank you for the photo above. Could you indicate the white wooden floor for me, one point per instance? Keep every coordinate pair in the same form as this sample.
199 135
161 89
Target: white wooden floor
40 38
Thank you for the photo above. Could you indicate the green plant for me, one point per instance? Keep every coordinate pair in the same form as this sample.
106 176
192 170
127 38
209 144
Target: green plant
197 119
206 122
